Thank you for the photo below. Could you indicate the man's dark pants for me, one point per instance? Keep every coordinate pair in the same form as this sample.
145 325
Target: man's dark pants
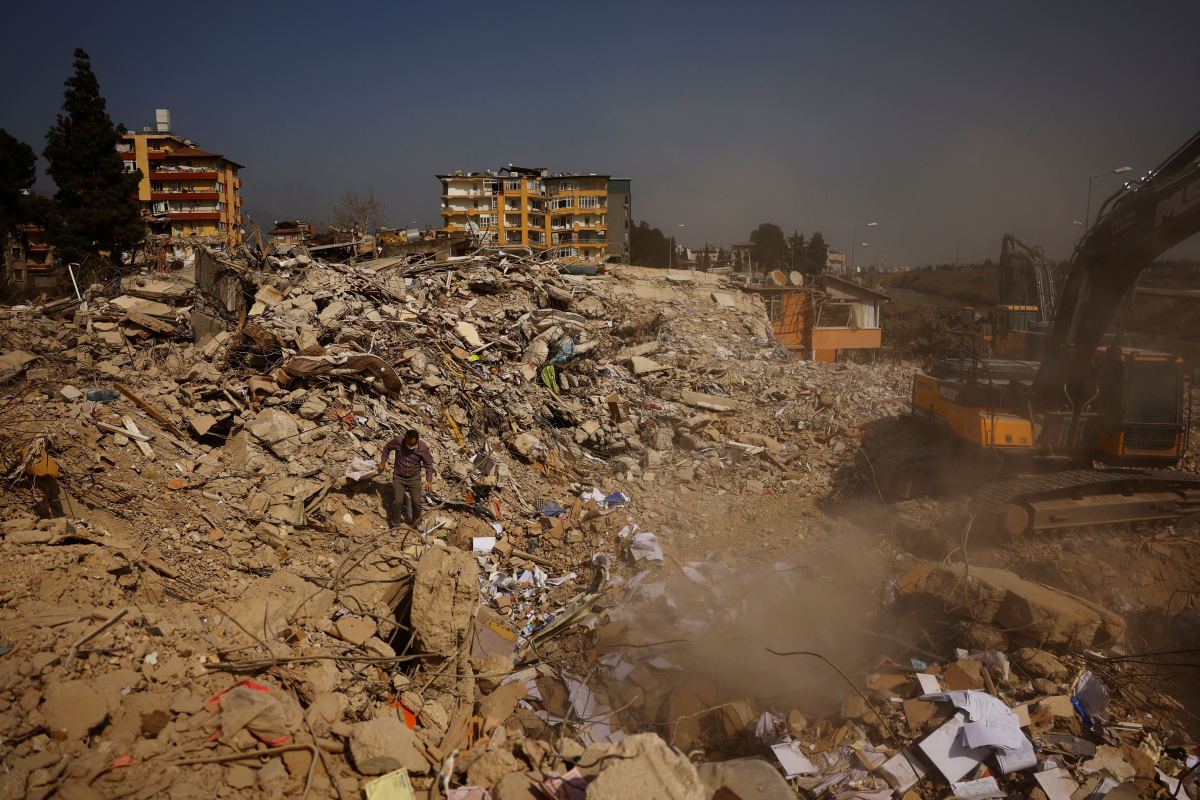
412 488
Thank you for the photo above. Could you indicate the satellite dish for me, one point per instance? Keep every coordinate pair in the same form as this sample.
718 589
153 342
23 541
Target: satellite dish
778 278
796 278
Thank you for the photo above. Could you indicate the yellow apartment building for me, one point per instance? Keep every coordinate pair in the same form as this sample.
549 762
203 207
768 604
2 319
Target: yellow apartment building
185 191
533 207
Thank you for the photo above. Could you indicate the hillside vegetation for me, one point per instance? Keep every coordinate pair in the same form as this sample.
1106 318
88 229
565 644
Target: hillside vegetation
974 286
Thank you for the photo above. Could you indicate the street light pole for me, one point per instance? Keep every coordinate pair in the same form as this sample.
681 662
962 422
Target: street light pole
1087 218
854 238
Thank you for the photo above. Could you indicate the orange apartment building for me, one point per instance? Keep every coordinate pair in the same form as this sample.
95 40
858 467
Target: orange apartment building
185 191
835 319
533 207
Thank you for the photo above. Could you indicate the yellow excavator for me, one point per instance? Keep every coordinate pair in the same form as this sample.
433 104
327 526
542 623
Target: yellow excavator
1018 330
1029 434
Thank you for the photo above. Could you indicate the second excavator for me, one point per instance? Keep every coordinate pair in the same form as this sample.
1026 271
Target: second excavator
1028 436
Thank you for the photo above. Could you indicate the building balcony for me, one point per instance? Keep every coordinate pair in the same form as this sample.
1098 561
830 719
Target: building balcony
188 195
182 174
192 215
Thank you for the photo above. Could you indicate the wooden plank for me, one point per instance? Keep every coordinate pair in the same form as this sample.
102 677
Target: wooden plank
150 410
121 431
149 323
132 430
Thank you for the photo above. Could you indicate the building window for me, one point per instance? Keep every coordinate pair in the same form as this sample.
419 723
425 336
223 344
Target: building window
174 186
512 186
562 202
534 186
221 226
487 220
495 202
490 186
589 201
512 237
129 166
156 186
192 227
568 186
475 205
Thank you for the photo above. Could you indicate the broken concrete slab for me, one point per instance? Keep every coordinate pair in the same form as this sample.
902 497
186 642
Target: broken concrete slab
384 745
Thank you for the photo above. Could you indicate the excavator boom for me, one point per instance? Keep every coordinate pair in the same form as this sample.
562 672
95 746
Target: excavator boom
1135 225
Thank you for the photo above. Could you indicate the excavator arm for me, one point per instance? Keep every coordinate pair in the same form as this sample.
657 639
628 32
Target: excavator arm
1135 226
1029 264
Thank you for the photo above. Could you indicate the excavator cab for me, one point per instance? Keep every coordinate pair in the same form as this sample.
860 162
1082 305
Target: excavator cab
1009 324
1142 422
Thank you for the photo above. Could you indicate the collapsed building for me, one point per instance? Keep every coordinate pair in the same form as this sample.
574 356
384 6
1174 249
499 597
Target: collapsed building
205 596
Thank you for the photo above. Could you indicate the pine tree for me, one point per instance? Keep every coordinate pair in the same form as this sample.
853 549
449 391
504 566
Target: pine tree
18 171
96 200
816 255
796 251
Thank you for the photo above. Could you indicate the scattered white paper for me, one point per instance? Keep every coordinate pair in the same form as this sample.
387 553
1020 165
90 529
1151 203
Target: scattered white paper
636 579
948 754
978 790
929 683
1020 759
792 760
661 663
1056 783
899 771
645 545
482 544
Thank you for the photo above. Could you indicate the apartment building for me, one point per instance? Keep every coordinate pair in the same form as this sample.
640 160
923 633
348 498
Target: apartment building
31 264
530 206
288 232
185 191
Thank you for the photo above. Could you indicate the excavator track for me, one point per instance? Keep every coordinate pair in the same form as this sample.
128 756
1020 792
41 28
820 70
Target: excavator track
1002 506
895 463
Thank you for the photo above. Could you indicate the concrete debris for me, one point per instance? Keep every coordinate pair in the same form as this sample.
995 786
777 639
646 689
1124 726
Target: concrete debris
626 463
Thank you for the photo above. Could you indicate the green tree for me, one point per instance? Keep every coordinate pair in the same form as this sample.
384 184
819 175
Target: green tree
816 255
795 253
770 246
97 201
18 171
648 247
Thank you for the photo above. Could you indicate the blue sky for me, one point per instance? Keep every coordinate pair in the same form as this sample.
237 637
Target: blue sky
943 122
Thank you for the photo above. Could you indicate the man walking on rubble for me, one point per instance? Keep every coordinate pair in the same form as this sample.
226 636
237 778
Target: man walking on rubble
411 455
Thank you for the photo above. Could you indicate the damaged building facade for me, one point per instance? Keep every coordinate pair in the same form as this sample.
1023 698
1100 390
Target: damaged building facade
569 213
185 191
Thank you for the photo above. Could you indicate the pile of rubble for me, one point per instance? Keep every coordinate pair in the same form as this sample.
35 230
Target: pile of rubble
209 591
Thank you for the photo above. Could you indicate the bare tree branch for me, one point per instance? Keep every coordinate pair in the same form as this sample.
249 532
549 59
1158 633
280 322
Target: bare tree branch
357 216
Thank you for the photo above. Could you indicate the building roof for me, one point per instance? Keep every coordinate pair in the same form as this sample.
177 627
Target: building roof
192 152
851 286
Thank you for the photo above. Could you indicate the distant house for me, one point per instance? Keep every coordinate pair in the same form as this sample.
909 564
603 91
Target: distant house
848 321
287 233
833 321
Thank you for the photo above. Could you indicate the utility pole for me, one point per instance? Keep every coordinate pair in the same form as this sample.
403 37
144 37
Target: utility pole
956 244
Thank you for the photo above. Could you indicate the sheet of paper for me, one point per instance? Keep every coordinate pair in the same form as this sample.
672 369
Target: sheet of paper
902 771
929 683
792 760
482 544
978 790
1017 760
645 545
947 753
1056 783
